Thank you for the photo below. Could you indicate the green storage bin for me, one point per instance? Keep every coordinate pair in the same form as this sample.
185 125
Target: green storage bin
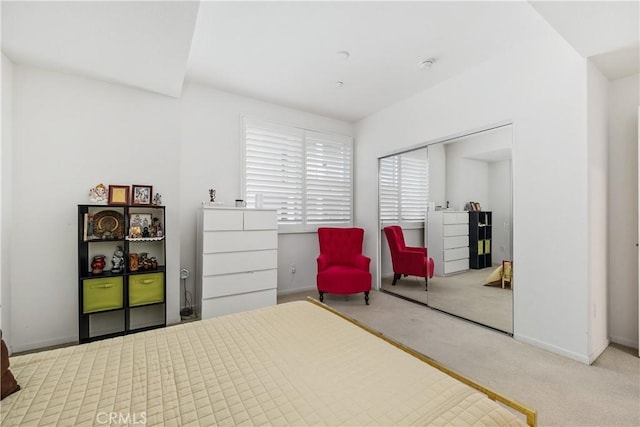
102 294
146 289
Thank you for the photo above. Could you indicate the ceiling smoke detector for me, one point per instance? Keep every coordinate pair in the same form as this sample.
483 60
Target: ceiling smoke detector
427 63
339 84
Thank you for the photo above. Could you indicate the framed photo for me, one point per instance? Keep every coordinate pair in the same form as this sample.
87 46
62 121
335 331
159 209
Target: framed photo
141 194
118 194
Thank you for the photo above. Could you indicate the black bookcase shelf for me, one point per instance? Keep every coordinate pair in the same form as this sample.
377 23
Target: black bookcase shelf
480 227
104 300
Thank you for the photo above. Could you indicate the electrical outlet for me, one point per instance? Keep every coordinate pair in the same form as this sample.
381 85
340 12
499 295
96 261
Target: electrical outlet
293 269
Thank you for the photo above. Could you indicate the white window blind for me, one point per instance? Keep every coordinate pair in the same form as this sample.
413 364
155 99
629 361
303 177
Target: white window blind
328 178
414 186
404 189
389 189
305 175
273 167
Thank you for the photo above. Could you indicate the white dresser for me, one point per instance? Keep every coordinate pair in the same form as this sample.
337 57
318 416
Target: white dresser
237 260
448 241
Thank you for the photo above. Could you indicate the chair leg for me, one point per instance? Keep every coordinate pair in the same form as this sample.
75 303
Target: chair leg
426 284
396 276
321 296
366 297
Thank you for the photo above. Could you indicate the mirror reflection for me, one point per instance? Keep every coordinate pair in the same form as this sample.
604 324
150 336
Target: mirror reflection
446 225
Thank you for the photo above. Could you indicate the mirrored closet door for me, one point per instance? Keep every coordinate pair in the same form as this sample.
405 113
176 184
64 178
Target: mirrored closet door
454 198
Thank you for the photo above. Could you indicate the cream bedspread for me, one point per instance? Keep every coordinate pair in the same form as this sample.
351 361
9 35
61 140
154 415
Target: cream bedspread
292 364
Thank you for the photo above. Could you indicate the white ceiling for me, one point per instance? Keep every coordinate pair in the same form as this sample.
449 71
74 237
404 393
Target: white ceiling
608 32
140 44
285 52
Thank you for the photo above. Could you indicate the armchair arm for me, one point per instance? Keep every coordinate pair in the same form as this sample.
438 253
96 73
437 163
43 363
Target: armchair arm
323 262
422 251
362 262
411 259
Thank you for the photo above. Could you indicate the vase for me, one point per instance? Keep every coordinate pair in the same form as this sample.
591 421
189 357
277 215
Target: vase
98 264
133 262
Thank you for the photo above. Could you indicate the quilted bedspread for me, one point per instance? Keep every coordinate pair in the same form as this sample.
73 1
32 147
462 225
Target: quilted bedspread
294 364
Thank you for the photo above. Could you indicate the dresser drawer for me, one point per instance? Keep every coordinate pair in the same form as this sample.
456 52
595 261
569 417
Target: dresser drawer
239 283
146 289
102 294
236 303
260 220
222 219
234 241
456 266
454 254
239 262
455 218
455 230
456 242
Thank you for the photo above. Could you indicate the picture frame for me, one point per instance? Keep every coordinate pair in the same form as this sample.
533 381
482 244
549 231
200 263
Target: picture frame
139 225
118 195
141 194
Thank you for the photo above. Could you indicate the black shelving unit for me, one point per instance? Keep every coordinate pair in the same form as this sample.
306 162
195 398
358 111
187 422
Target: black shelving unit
118 303
480 239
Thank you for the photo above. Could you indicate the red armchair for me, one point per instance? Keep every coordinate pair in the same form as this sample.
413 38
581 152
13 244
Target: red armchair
342 269
407 260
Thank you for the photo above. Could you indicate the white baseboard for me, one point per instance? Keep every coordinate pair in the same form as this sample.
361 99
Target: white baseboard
296 290
593 356
552 348
624 341
18 348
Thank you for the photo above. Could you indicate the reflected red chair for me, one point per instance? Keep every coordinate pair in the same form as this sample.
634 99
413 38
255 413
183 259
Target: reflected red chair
407 260
342 269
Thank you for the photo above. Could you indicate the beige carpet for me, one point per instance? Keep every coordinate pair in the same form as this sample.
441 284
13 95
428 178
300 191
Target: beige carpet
564 392
463 295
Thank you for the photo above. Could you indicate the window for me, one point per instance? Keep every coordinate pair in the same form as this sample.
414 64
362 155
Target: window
305 175
404 189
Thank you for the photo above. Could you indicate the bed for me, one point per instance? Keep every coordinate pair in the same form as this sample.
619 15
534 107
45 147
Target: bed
299 363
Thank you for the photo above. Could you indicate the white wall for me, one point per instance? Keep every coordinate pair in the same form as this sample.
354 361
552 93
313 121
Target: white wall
467 179
71 133
5 200
210 158
597 209
623 210
437 175
541 87
500 204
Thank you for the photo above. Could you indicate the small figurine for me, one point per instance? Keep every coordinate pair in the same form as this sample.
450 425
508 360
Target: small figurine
157 199
98 264
144 261
212 195
98 194
145 232
153 230
117 261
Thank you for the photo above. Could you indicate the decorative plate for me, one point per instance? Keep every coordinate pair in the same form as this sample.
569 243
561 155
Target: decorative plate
108 225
